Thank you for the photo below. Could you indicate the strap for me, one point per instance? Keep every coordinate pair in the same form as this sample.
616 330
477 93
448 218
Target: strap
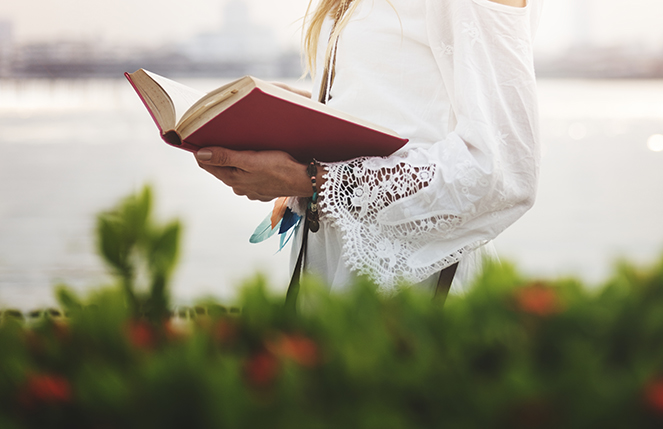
444 283
325 87
293 287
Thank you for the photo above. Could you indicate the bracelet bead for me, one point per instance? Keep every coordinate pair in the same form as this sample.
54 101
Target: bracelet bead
312 214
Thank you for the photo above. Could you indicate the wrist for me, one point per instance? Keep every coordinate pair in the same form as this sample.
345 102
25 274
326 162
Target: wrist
304 184
312 214
315 173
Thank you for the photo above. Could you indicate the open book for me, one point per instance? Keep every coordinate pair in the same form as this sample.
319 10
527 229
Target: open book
249 114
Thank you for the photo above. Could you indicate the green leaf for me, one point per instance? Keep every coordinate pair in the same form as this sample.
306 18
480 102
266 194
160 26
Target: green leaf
68 298
113 245
164 246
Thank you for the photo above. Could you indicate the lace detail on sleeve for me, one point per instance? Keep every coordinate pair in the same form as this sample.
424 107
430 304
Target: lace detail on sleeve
353 198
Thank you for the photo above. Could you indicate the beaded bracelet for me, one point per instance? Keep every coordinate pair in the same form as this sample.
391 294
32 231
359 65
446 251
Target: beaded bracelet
312 210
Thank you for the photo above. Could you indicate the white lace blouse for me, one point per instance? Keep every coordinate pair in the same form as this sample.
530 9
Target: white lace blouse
456 78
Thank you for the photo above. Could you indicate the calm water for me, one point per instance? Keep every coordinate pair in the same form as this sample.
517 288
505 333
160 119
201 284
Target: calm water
69 149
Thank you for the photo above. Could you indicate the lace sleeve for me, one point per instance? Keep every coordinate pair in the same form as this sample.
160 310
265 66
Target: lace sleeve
406 217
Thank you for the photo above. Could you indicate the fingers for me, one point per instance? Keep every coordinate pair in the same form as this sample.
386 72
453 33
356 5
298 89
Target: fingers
228 175
235 179
263 175
253 196
219 156
239 187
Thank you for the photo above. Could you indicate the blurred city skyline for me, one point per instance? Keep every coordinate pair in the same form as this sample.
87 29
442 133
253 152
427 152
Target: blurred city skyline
605 23
73 39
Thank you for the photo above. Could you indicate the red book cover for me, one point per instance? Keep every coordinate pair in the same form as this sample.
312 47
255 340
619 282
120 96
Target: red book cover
263 121
260 121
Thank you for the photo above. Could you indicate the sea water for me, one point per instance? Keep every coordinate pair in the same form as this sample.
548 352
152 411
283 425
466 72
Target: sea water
71 148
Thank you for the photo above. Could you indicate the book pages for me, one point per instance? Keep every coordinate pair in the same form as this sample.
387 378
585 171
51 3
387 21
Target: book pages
181 95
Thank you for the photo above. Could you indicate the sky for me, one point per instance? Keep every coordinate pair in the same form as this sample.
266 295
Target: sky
157 22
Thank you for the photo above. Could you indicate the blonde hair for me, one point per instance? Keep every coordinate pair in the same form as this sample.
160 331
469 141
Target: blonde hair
311 28
313 25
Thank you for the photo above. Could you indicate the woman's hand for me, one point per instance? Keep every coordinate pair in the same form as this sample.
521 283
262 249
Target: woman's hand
257 175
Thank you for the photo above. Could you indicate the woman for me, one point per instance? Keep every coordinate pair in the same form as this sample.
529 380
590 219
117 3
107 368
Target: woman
453 76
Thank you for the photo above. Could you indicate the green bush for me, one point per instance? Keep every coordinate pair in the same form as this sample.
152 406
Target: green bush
512 353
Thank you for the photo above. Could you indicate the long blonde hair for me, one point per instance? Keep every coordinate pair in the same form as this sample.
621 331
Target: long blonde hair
313 25
341 11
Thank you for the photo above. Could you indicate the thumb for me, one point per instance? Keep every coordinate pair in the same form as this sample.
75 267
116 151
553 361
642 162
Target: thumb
218 156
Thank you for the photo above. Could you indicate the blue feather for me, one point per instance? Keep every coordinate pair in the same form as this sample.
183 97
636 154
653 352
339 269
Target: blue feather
264 230
284 240
289 220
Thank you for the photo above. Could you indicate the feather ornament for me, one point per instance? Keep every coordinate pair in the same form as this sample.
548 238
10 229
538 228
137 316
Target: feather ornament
264 230
285 238
289 220
280 206
282 220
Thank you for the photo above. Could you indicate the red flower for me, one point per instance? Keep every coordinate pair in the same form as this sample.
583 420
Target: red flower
538 299
262 369
141 334
654 395
46 389
299 348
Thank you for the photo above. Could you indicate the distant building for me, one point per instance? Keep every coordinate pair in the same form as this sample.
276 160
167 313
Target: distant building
59 59
239 40
6 28
6 47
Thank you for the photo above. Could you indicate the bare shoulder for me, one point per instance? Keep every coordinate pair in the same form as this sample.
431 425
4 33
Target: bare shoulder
514 3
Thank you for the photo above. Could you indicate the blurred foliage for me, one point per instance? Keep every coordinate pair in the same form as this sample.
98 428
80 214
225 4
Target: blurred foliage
511 353
137 249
